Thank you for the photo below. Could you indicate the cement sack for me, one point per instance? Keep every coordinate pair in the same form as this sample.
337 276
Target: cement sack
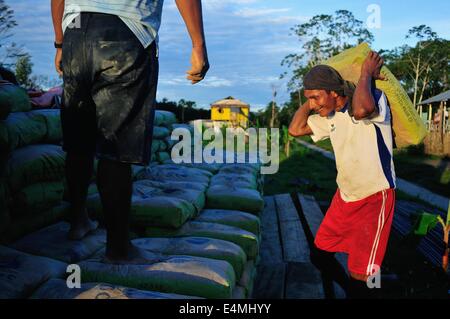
52 242
248 278
25 225
21 274
161 211
37 198
150 189
187 275
239 168
199 247
57 289
408 127
177 185
163 146
246 240
13 98
230 198
155 146
53 121
212 168
235 180
22 129
35 163
160 132
164 118
162 156
165 173
235 218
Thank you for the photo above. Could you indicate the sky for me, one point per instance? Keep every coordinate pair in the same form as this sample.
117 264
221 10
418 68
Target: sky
246 39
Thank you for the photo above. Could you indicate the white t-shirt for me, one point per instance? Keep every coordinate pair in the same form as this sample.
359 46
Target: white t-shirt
363 149
143 17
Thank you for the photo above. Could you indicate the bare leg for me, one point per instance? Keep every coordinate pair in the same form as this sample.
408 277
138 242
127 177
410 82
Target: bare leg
115 185
79 170
326 262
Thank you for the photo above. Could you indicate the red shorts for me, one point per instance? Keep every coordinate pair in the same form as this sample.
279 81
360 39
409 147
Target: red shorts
360 229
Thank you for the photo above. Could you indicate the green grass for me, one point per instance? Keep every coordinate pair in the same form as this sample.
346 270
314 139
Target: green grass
326 144
318 170
307 164
418 170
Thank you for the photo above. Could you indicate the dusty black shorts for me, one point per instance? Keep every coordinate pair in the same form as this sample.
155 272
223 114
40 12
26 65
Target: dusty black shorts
110 82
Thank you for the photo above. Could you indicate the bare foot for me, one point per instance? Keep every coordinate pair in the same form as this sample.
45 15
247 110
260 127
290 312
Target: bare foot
80 230
136 256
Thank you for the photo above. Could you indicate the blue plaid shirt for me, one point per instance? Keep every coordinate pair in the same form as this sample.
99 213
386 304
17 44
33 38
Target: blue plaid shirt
143 17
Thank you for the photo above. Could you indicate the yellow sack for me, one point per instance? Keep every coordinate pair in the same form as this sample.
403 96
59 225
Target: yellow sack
409 128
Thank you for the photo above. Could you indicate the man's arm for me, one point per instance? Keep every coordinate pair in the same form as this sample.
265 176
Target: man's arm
299 125
57 16
191 11
363 103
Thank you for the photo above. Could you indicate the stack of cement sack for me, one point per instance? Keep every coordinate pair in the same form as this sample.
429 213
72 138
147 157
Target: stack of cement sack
187 267
236 186
32 188
161 142
32 163
202 238
169 213
36 267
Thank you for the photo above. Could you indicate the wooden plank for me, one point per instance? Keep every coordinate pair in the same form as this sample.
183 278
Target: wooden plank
312 212
270 281
293 239
270 251
303 281
239 293
286 208
314 217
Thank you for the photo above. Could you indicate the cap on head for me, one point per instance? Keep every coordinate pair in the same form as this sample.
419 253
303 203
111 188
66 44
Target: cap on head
324 77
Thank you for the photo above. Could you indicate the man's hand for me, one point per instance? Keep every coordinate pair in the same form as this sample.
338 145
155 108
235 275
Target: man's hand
191 11
372 66
57 15
58 59
363 102
199 64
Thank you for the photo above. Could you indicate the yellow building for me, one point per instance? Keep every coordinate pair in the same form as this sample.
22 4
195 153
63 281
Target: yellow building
231 110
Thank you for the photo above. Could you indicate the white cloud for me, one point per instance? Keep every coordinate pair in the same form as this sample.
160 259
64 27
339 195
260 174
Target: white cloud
216 82
254 12
209 81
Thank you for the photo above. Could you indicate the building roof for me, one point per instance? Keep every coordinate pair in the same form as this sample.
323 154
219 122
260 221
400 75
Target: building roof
230 101
438 98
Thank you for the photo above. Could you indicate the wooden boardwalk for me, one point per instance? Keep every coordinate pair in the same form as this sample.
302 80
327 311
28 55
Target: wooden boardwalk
288 226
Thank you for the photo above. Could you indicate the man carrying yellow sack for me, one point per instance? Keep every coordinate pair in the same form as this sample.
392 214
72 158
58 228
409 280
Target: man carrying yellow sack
358 123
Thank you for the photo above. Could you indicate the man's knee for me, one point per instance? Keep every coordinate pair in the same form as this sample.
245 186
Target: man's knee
359 277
